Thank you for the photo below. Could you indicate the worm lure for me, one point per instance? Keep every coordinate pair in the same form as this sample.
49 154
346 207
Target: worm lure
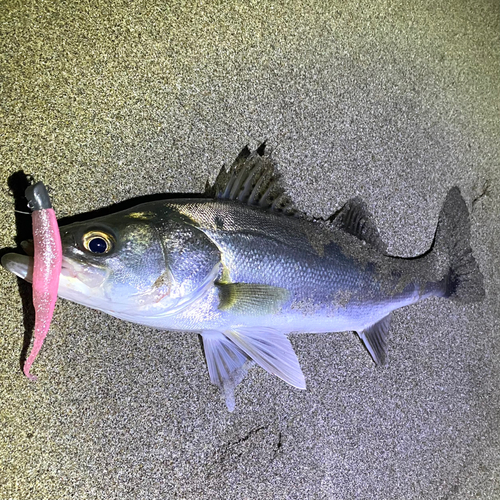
46 266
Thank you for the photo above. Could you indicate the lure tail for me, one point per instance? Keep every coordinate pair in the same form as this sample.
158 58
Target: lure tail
46 267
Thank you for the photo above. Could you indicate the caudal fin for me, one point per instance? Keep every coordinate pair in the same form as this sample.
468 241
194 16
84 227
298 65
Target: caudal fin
464 281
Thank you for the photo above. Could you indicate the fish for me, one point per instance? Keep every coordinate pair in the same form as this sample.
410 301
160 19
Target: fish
244 268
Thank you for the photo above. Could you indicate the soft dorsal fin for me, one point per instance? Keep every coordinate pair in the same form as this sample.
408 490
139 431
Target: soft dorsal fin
252 179
355 219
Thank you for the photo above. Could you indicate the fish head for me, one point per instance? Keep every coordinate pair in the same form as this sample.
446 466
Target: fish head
131 264
113 263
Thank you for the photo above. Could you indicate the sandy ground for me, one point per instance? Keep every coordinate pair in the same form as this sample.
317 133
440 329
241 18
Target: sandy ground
390 101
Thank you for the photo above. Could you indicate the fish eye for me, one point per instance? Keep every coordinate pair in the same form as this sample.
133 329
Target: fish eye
98 242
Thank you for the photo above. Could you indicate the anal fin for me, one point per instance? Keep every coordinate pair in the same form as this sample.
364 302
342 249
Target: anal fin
227 364
374 338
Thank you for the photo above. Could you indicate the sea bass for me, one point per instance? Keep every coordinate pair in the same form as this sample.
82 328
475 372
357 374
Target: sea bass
243 268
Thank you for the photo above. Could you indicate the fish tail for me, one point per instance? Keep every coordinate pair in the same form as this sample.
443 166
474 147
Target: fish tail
463 280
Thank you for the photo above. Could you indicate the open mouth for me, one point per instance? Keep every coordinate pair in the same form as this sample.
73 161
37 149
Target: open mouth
77 282
22 266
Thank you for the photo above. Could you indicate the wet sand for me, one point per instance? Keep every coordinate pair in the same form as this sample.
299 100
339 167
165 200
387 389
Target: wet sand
393 103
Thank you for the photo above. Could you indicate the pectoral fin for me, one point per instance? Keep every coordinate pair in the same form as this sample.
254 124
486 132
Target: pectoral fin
251 299
375 341
271 350
227 364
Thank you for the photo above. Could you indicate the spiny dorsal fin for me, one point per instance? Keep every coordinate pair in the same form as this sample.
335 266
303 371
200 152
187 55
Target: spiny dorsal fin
374 338
355 219
253 180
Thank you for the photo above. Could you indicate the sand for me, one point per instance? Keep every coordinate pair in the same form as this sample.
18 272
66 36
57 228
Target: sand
393 102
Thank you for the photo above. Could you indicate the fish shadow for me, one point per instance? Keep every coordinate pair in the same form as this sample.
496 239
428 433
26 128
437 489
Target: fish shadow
18 182
126 205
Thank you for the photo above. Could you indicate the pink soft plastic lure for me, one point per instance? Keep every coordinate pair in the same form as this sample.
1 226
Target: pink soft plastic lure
46 266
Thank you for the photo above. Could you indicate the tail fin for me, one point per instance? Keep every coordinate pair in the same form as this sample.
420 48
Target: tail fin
464 281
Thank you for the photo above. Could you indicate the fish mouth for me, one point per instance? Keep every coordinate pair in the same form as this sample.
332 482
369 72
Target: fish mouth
22 266
77 282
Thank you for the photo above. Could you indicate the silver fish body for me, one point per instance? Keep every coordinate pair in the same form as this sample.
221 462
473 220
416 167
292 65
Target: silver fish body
287 273
243 271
